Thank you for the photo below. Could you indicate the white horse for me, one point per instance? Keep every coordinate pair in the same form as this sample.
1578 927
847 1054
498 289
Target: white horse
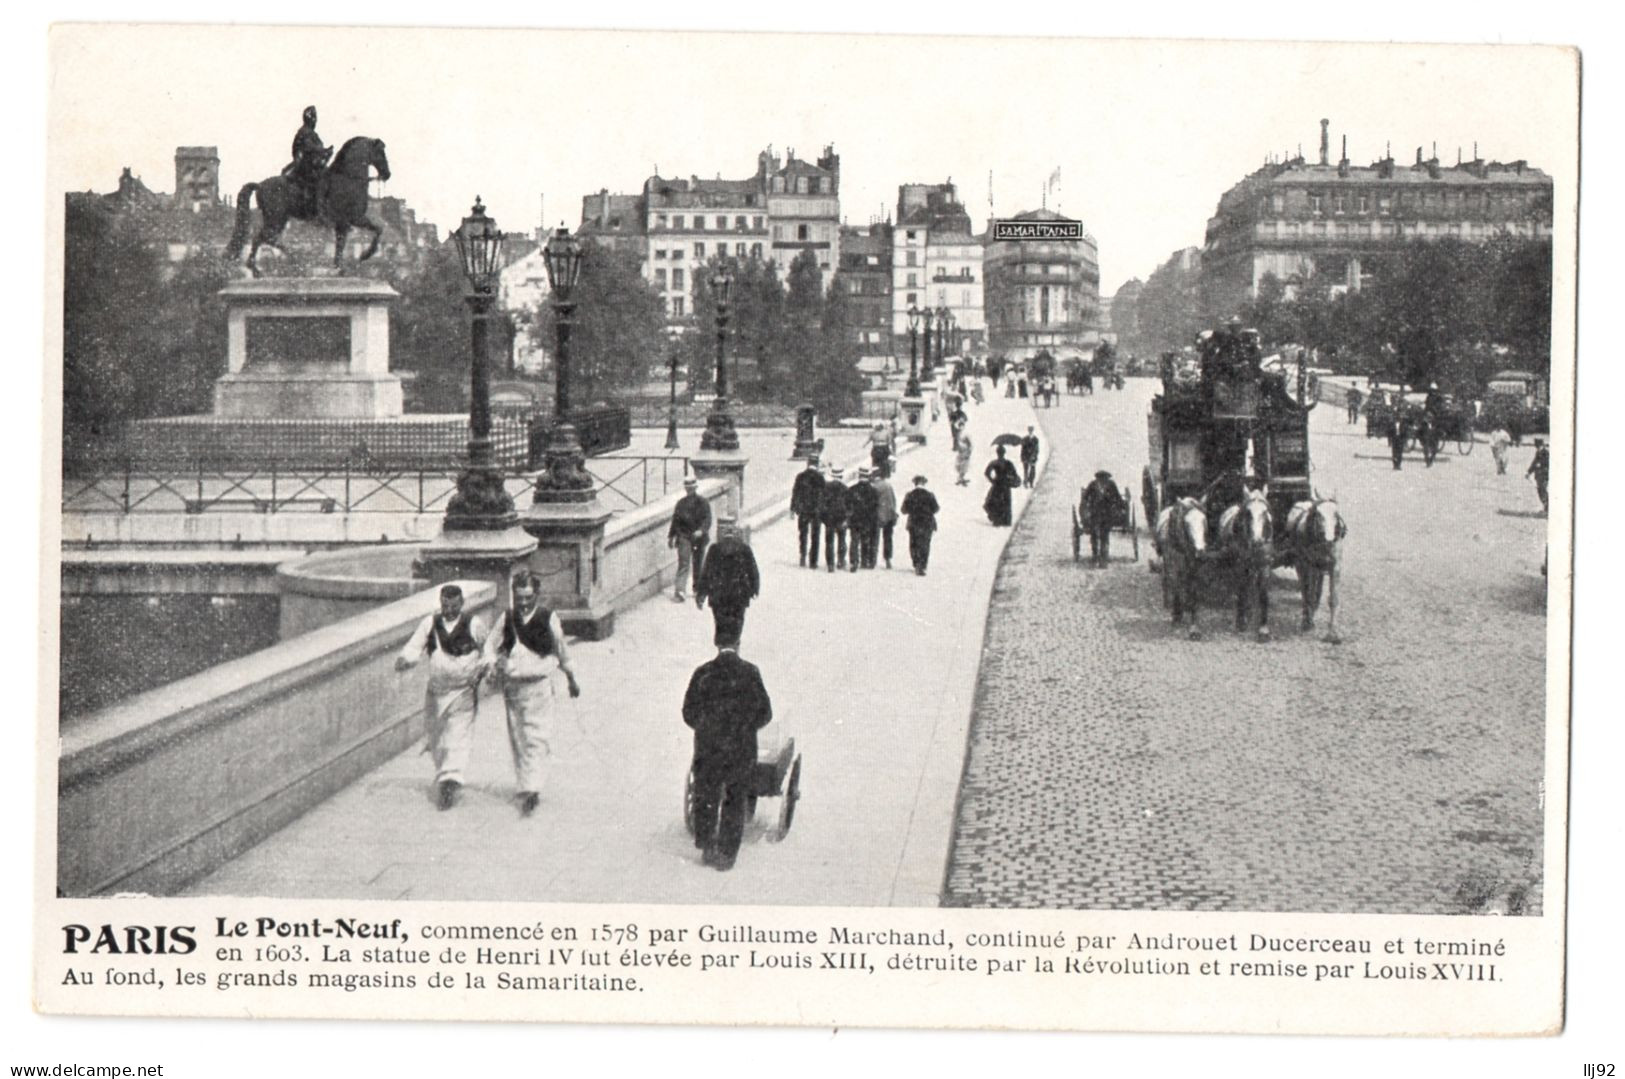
1248 532
1181 539
1316 530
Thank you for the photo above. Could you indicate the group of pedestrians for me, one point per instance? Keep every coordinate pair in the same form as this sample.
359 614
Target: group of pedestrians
854 523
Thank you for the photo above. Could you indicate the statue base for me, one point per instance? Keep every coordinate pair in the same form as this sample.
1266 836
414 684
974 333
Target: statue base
913 419
474 554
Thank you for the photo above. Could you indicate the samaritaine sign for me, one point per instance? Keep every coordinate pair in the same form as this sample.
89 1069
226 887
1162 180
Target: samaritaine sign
1057 229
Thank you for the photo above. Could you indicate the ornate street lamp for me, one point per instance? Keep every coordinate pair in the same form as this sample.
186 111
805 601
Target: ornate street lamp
565 478
945 340
913 387
945 318
929 316
719 424
671 424
481 501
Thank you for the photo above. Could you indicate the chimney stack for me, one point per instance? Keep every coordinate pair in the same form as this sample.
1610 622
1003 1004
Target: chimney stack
1325 145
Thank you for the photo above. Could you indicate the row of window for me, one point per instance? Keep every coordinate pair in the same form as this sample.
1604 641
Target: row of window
1361 202
806 185
913 298
740 250
677 221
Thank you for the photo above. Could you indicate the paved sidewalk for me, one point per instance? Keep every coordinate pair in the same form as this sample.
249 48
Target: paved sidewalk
873 673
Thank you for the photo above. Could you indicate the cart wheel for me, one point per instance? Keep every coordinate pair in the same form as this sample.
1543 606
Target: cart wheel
1464 446
688 802
792 794
1076 530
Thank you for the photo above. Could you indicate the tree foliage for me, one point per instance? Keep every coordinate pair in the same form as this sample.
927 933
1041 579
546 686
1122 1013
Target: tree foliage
1434 311
618 331
141 336
1168 313
789 342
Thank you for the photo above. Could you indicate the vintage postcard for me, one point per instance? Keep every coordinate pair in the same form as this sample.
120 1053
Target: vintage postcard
682 528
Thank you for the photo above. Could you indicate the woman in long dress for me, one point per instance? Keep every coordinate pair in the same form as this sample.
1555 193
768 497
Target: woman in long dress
1004 478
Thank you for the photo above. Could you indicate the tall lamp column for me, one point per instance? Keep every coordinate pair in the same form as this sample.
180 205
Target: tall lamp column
481 501
719 424
671 423
913 387
565 478
925 362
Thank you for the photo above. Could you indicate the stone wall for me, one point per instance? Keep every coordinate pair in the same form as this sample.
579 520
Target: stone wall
159 790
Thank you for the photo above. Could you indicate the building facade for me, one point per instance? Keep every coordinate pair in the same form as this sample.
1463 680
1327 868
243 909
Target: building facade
804 208
937 262
1043 294
689 222
864 277
1298 220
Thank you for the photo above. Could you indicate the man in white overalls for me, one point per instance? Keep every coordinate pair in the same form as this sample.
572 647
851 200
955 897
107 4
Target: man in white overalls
525 651
452 640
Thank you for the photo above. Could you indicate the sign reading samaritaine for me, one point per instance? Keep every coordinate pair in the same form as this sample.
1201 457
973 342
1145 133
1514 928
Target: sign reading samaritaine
1057 229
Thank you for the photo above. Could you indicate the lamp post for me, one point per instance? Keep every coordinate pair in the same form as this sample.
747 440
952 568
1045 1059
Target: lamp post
951 347
925 361
481 501
913 387
671 424
564 478
719 425
945 319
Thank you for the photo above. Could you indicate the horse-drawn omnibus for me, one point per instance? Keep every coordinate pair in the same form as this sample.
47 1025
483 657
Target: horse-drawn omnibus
1225 427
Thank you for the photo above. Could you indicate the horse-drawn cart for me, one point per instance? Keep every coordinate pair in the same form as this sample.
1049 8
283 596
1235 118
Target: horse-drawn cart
1123 520
777 775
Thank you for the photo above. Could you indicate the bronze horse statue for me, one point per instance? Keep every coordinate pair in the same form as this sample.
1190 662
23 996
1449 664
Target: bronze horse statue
341 201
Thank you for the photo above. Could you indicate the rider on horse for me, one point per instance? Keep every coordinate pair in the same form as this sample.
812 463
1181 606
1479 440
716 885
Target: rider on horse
309 158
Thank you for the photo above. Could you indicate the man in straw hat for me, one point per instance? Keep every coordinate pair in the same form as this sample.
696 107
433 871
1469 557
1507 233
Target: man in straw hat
864 508
832 514
690 531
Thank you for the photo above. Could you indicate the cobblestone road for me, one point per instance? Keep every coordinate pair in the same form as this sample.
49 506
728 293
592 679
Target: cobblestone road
1116 765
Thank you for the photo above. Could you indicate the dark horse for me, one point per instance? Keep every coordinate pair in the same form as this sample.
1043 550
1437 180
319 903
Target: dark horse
341 201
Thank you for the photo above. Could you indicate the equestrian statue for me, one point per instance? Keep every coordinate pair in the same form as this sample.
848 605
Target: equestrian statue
311 189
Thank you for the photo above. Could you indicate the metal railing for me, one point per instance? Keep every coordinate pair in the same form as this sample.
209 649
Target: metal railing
125 487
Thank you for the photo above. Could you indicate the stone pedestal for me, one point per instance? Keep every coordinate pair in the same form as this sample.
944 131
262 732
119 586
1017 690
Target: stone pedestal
913 419
807 442
476 554
307 348
727 466
568 557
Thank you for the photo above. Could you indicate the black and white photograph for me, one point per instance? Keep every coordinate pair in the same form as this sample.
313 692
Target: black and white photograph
1036 520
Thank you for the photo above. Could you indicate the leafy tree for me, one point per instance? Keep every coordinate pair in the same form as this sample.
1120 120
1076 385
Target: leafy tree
618 334
142 337
1169 307
429 330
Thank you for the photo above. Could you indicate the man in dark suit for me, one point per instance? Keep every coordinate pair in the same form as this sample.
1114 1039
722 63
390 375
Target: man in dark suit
920 507
804 504
726 704
832 513
1029 458
730 580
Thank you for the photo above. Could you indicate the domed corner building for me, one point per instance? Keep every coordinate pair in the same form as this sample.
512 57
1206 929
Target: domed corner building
1042 293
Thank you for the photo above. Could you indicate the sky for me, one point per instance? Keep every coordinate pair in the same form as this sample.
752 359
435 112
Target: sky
1146 135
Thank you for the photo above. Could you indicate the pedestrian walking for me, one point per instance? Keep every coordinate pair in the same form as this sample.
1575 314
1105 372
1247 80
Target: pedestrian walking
1002 479
1353 402
725 705
1499 441
962 455
525 653
880 445
729 582
804 496
832 514
1029 457
920 507
863 510
690 531
1397 436
885 513
451 641
976 389
1540 468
